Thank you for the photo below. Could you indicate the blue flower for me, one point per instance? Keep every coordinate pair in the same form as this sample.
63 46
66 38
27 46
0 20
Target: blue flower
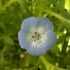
37 35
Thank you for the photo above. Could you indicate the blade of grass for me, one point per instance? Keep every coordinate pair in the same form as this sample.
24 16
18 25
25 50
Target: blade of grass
49 66
56 15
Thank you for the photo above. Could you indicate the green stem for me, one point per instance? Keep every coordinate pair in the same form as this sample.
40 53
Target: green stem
56 15
49 66
27 63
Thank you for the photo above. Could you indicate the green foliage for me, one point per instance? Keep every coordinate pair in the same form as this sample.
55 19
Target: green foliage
12 12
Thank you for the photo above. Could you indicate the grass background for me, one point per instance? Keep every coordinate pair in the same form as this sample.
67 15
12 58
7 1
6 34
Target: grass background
12 13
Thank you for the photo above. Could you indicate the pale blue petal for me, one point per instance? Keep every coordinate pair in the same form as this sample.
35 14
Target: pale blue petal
22 37
51 39
26 26
28 23
46 23
38 50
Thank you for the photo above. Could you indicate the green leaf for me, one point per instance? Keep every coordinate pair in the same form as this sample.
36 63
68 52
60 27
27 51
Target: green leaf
49 66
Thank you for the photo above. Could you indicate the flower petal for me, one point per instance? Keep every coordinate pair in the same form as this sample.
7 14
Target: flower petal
37 50
46 23
51 39
28 23
28 27
24 43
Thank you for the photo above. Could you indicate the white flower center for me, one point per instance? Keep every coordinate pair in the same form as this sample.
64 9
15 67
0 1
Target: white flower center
37 36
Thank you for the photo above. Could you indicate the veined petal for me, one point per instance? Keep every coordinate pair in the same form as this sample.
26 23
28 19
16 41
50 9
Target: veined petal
31 26
46 23
37 50
29 23
22 37
51 39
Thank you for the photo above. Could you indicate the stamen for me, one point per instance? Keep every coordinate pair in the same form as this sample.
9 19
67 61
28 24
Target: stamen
36 36
43 33
34 40
32 36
